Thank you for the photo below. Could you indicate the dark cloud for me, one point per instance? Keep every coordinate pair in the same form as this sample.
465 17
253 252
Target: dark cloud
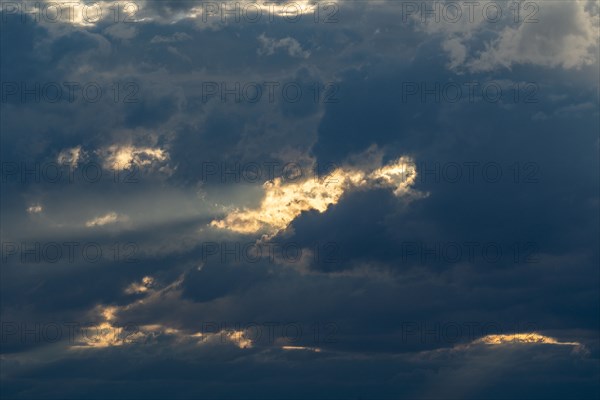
384 305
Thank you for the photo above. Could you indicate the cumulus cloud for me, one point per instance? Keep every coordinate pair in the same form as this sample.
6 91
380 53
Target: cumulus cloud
354 206
270 45
118 157
565 36
560 34
108 331
71 156
456 50
145 285
283 202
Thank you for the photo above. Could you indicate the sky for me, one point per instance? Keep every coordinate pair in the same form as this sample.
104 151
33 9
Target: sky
335 199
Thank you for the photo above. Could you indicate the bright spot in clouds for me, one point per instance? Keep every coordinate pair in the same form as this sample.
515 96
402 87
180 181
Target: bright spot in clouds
110 218
71 156
284 201
125 156
142 287
315 349
527 338
34 209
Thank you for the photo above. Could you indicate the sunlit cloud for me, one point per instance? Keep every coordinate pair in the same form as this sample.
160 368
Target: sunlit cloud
118 157
106 219
522 338
239 338
79 14
71 156
35 209
140 287
223 12
314 349
109 333
284 201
